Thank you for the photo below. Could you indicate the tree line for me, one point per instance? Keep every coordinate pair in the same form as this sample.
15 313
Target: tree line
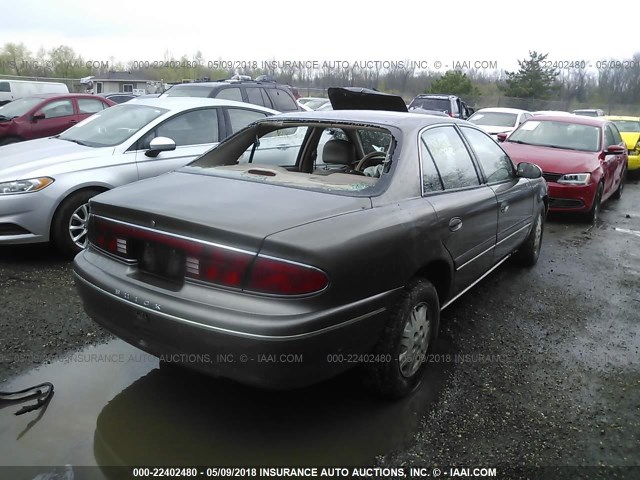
615 81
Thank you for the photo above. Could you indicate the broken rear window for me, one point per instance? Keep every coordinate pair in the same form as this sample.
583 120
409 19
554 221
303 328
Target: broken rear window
328 157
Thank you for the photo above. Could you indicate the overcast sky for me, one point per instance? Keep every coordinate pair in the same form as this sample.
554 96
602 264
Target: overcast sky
346 30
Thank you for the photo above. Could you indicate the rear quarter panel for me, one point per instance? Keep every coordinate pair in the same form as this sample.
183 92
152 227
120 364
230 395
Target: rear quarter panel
364 253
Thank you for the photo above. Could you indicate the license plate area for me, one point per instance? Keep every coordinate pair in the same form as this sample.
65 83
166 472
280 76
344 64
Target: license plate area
163 261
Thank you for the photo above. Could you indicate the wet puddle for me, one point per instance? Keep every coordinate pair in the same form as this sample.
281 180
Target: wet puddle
114 406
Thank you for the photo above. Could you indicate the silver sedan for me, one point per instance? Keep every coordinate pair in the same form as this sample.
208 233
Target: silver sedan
45 184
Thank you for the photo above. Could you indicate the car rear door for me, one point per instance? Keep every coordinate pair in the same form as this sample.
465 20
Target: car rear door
514 195
194 132
467 210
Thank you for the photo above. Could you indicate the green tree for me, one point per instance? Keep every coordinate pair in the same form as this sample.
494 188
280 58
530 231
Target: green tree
15 58
454 82
534 79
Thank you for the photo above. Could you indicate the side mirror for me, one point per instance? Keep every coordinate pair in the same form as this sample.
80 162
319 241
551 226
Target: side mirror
38 116
614 150
502 136
529 170
160 144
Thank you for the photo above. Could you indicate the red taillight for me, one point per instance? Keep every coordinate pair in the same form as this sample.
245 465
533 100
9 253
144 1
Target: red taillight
157 252
219 266
278 277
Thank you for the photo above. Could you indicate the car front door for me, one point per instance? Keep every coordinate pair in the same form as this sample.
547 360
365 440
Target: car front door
620 161
59 115
466 209
514 194
194 132
610 162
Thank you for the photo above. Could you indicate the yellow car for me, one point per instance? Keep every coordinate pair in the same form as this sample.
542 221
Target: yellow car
629 128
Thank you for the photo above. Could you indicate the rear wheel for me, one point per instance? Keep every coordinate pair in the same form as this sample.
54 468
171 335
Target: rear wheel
593 214
405 342
69 226
528 253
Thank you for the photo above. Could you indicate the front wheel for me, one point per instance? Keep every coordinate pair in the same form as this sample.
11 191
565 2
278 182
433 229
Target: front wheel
405 342
593 214
528 253
70 223
617 195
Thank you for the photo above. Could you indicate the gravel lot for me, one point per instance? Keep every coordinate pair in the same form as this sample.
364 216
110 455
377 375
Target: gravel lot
545 366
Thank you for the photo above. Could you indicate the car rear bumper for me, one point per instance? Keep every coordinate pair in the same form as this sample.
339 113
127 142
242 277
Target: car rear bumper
257 346
634 162
574 198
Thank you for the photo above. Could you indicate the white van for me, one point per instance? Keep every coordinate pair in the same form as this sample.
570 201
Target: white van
13 89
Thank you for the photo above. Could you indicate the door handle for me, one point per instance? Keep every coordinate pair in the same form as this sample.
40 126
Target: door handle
504 206
73 121
455 224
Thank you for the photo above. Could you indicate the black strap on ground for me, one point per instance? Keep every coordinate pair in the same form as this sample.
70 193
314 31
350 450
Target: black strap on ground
41 392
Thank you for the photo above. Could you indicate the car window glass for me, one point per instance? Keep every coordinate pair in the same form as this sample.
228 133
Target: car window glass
58 108
280 148
494 161
5 87
89 105
191 128
230 94
254 96
374 141
455 110
281 101
608 137
241 117
451 157
431 181
617 139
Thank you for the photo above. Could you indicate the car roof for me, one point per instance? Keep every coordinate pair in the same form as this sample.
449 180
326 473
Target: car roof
436 95
185 103
578 119
501 110
622 117
60 95
376 117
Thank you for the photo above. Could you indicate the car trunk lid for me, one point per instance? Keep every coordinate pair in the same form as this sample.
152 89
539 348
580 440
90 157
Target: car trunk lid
232 212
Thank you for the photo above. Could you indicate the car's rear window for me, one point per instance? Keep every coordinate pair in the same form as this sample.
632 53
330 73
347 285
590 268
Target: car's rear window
325 157
494 119
440 104
189 91
628 126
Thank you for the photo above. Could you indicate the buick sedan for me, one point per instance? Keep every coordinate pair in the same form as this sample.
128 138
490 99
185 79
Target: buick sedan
283 273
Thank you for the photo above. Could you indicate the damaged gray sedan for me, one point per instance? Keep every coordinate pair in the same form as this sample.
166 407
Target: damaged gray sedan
281 270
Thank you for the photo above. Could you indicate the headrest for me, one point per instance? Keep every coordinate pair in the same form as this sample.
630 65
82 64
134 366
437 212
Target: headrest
338 152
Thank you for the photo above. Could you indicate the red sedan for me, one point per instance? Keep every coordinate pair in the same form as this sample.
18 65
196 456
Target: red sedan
583 159
46 115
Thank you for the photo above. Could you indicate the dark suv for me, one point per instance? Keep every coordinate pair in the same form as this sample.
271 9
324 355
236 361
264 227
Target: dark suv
449 104
266 94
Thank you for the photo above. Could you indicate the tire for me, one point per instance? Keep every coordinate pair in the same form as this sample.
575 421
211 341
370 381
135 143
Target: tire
403 343
9 140
64 222
528 253
593 214
623 178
